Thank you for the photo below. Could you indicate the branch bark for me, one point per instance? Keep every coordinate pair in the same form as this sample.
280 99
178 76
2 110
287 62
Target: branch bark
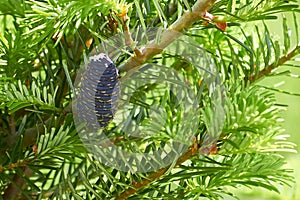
18 183
273 66
152 49
168 36
188 155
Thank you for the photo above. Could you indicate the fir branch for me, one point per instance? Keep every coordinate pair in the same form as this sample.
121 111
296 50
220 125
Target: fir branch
156 175
187 20
182 23
62 164
266 71
170 35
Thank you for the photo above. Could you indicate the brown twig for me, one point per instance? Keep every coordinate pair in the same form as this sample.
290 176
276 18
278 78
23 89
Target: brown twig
15 165
274 65
168 36
125 22
137 186
152 49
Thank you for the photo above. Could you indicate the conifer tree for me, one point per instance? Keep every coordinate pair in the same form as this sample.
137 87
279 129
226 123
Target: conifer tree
190 120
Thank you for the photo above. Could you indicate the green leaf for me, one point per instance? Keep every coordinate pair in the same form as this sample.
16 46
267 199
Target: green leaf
16 106
296 27
286 35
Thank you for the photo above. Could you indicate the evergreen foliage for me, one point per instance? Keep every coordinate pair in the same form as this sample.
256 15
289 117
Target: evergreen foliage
44 43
